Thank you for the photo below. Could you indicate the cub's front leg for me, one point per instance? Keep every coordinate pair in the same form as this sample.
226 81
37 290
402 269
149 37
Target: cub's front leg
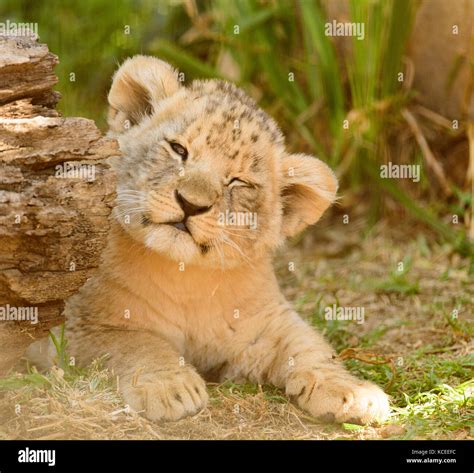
288 353
153 378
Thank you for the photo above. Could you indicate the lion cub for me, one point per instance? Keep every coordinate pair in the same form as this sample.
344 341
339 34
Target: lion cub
186 290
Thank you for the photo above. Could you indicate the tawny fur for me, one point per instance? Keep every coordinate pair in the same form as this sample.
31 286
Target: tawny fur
170 308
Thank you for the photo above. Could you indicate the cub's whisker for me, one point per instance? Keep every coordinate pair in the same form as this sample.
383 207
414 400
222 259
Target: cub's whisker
236 247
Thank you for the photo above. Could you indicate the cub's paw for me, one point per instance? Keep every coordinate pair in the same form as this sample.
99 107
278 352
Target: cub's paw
167 394
338 397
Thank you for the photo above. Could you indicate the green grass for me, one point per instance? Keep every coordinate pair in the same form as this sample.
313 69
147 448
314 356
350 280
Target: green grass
431 396
443 409
63 369
398 281
60 344
431 378
95 376
17 381
229 388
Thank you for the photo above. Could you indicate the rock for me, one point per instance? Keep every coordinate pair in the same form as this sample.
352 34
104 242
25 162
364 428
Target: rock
56 194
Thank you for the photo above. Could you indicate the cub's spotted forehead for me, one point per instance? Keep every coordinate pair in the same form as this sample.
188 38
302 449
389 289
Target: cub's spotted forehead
230 118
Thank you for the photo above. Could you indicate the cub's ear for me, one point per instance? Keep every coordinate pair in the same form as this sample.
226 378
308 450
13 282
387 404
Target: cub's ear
137 87
308 188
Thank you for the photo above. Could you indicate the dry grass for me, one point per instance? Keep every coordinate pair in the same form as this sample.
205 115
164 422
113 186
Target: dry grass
407 316
78 410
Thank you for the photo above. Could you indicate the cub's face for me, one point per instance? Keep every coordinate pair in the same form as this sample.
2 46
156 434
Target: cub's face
204 177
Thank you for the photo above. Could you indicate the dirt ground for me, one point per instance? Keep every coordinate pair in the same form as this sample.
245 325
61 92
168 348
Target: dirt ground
416 342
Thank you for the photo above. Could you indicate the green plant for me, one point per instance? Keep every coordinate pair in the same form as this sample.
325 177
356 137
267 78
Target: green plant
60 345
398 281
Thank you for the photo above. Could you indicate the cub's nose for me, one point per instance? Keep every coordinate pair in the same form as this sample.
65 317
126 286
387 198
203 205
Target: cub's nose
188 207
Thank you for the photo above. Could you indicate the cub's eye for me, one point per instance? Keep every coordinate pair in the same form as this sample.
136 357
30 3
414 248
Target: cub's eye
236 182
179 149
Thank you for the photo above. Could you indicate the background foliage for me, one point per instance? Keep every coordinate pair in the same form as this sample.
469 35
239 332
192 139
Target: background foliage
349 109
